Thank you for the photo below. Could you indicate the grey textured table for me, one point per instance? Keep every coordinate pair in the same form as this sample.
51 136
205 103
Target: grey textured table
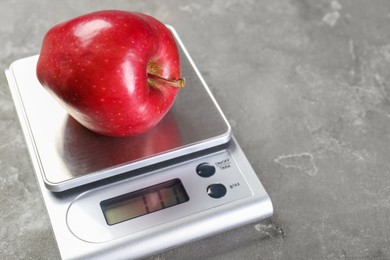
306 88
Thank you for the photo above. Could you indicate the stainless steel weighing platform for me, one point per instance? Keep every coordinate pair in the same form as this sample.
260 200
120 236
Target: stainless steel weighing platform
130 197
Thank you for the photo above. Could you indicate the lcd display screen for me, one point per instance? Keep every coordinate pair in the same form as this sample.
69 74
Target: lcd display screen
145 201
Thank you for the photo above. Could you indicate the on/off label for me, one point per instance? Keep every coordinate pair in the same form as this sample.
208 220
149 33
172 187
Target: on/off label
223 164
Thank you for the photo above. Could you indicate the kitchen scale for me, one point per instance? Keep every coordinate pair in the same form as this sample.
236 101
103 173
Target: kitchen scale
131 197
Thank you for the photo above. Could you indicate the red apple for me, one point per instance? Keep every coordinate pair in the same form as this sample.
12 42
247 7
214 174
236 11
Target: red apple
116 72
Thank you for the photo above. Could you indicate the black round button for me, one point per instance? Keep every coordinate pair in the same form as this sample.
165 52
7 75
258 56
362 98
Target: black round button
205 170
216 190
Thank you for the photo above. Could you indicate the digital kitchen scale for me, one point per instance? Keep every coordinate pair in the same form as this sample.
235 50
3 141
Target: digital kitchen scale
131 197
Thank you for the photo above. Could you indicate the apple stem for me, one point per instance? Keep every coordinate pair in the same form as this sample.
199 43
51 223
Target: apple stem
156 80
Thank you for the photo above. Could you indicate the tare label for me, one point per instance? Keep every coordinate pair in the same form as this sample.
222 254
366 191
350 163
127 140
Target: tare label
223 164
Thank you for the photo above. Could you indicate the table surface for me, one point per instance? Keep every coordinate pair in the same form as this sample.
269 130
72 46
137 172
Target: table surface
306 88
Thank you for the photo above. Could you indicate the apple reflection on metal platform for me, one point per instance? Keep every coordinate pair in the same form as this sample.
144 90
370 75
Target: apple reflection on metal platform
79 146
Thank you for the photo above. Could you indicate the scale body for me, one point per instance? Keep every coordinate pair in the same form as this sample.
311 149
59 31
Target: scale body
128 198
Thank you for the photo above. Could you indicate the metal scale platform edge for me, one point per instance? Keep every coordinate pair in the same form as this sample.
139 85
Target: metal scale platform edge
199 174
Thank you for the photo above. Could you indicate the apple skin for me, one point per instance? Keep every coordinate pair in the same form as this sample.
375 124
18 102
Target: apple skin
115 72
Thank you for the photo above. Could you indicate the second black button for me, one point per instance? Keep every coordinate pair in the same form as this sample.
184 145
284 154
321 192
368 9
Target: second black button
216 190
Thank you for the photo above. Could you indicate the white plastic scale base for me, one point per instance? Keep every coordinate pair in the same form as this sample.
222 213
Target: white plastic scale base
127 198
